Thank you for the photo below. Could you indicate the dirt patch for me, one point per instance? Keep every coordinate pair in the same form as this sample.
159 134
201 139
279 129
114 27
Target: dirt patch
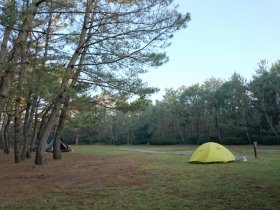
25 181
157 152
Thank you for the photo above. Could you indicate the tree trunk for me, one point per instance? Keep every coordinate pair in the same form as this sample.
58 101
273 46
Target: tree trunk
28 127
4 142
248 136
45 130
5 84
80 52
35 132
18 47
18 139
41 154
5 136
2 122
17 123
218 128
58 133
3 51
270 123
3 54
77 139
179 128
25 138
127 138
41 157
63 114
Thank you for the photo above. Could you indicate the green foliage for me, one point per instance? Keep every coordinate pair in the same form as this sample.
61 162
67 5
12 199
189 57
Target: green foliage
228 112
81 61
142 135
156 59
8 15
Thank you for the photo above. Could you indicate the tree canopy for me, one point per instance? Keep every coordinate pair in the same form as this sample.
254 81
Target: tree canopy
234 111
56 54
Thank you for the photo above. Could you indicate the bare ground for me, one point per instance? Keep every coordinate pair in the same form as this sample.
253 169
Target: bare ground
24 181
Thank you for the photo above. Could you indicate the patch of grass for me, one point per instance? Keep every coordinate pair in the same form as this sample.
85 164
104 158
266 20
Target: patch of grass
249 185
173 183
161 148
102 150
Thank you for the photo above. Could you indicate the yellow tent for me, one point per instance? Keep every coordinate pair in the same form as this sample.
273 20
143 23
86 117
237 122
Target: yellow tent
211 153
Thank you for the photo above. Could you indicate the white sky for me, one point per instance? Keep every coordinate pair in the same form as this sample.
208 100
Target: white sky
223 37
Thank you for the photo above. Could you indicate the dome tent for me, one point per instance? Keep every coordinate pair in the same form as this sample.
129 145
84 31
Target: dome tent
211 152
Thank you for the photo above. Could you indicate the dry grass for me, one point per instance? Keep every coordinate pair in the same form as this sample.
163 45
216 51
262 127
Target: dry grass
104 177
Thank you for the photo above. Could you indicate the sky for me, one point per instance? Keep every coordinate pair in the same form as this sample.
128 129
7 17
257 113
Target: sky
223 37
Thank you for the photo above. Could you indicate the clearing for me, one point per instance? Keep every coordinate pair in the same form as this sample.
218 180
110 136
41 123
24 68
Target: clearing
123 177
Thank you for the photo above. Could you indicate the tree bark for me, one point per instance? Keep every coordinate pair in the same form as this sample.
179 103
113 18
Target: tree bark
41 157
25 139
7 145
29 114
62 96
5 83
18 136
35 131
270 124
248 135
179 128
218 128
58 133
127 138
63 114
77 139
5 124
4 51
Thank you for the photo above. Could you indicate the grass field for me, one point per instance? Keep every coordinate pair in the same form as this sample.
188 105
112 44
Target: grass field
113 177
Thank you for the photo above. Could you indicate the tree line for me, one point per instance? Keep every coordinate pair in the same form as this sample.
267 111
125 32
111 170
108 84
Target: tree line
235 111
56 55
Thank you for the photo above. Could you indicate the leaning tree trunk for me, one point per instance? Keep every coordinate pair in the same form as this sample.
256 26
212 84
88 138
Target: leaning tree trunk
58 133
63 114
4 49
8 75
268 120
4 141
34 136
40 158
48 120
41 155
5 136
270 124
29 114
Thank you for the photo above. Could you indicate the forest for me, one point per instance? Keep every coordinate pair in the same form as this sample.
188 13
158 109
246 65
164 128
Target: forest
229 112
57 55
71 70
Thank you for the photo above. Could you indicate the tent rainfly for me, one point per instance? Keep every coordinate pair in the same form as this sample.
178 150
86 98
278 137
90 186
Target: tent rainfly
211 152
